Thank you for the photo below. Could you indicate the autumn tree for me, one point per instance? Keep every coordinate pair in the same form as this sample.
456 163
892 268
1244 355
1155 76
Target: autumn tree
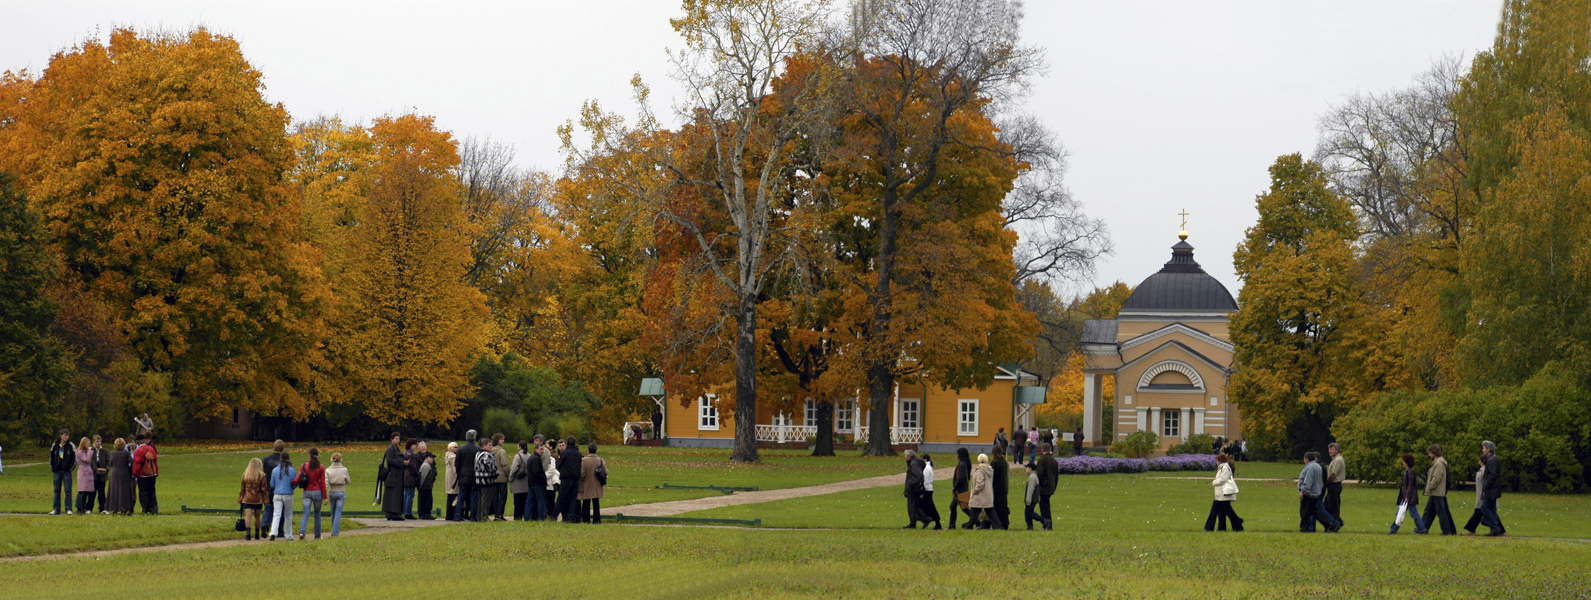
158 167
1301 322
34 368
407 321
1528 267
923 74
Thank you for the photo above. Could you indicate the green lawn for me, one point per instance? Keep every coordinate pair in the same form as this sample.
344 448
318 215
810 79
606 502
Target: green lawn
517 560
206 476
1161 502
29 535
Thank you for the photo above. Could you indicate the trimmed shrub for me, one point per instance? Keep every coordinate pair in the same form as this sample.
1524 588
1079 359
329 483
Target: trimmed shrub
1137 444
506 422
1543 438
1198 443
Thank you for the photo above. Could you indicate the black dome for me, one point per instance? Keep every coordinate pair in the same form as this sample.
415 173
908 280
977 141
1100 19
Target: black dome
1180 286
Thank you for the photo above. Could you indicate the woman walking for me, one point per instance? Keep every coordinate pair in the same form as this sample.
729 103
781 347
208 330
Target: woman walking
85 477
450 481
982 501
1408 498
337 480
253 492
1476 518
119 493
314 476
1225 492
1002 488
282 498
926 508
519 481
960 484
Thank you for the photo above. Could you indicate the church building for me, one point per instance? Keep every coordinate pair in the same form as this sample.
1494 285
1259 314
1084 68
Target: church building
1171 356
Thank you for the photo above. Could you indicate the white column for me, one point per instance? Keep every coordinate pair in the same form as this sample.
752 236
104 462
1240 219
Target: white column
893 438
1198 420
1184 426
1155 419
1092 415
1143 419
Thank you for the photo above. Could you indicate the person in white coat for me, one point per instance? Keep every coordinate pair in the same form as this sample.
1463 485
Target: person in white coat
1225 492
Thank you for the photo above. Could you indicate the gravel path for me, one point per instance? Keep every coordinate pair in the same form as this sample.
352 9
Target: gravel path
668 509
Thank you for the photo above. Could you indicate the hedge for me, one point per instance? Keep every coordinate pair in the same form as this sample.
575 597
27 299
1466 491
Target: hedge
1542 429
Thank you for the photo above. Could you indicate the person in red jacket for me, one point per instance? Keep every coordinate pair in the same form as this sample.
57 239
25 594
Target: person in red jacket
314 477
146 467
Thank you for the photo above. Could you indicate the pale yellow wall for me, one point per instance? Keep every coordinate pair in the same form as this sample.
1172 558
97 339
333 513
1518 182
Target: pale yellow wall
1126 330
1214 384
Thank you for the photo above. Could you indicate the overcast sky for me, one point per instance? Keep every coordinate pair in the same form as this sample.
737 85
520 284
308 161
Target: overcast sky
1164 105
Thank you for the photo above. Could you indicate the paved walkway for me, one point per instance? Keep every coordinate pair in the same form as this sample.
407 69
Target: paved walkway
668 509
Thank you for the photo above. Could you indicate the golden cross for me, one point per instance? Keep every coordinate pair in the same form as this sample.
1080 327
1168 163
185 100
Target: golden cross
1184 214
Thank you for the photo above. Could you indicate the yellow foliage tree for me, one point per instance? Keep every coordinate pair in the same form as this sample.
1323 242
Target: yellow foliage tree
408 323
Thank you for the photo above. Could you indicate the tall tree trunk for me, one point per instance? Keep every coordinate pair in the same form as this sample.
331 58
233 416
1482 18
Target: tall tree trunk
746 381
881 370
825 442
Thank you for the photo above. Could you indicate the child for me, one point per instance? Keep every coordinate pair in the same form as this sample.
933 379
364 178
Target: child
1031 497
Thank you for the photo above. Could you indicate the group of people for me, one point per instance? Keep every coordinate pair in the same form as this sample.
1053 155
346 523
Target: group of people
1233 449
107 477
1029 442
1320 494
268 487
981 491
547 481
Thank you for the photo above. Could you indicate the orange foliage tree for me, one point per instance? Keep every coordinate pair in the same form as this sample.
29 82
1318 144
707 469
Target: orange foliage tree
158 166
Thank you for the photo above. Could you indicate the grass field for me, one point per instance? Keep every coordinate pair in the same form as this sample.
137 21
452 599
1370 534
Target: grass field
517 560
206 476
30 535
1167 502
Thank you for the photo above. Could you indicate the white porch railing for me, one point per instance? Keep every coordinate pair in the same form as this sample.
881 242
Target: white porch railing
786 433
897 435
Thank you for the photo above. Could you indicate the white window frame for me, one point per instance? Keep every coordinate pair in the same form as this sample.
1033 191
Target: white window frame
707 413
965 427
911 413
845 416
1170 423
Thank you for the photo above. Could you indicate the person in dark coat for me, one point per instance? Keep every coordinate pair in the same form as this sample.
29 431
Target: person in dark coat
62 461
961 488
464 461
1049 476
119 489
1002 488
411 477
99 461
397 465
536 496
1492 484
1077 441
1409 496
914 489
657 424
569 474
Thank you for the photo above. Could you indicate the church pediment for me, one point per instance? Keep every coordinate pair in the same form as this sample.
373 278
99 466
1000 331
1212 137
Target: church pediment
1172 347
1177 328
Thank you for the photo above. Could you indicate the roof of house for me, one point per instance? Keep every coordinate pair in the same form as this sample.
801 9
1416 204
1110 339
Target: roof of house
1180 286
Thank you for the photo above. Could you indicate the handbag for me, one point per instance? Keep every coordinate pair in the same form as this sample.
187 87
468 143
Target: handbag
964 499
602 473
241 526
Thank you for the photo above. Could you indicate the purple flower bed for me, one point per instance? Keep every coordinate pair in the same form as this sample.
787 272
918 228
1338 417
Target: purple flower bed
1092 465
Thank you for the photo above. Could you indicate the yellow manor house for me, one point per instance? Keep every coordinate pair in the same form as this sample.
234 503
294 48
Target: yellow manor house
1168 350
929 418
1170 354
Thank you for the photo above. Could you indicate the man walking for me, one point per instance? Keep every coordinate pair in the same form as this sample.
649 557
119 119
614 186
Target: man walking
1000 440
464 461
1336 472
1311 485
62 460
1491 485
1436 491
1049 475
914 489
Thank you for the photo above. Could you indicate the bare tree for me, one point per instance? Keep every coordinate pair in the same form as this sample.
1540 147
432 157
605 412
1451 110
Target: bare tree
1397 160
735 49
